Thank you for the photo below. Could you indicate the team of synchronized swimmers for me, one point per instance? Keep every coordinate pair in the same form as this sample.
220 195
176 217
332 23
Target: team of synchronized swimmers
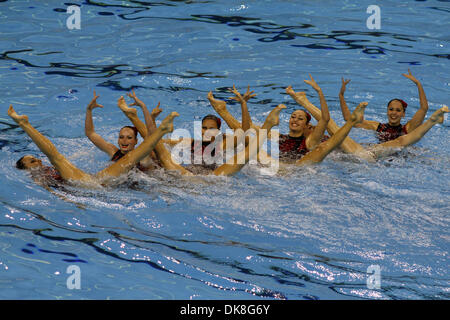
304 144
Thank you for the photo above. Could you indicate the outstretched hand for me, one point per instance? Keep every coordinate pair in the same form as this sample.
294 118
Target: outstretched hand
344 84
313 83
249 94
410 77
93 104
137 101
156 111
238 97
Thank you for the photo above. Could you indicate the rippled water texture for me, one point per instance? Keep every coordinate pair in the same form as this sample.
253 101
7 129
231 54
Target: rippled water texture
310 233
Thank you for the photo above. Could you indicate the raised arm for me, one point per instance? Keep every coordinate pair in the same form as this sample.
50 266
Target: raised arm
364 124
89 130
131 114
246 119
317 134
418 118
221 108
149 118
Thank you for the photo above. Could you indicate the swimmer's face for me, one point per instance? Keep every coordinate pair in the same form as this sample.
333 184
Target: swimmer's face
209 129
298 121
395 112
30 162
127 140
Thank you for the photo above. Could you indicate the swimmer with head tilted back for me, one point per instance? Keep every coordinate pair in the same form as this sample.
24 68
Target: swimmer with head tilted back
64 170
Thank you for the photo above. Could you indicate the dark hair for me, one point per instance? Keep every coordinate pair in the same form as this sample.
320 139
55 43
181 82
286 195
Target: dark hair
308 116
135 130
19 164
213 117
404 104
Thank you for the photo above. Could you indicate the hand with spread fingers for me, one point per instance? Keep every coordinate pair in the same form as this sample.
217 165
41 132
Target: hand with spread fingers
313 84
93 104
137 101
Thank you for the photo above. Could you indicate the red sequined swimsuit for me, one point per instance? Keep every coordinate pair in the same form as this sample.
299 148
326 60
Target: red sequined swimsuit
386 132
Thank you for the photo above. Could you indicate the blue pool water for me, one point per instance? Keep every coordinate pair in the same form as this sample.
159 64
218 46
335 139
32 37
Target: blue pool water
309 234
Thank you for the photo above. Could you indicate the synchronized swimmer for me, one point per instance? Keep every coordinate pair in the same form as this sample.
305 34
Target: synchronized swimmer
409 134
304 144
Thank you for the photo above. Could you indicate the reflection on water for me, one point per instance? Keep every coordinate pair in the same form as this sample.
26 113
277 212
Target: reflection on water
231 251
